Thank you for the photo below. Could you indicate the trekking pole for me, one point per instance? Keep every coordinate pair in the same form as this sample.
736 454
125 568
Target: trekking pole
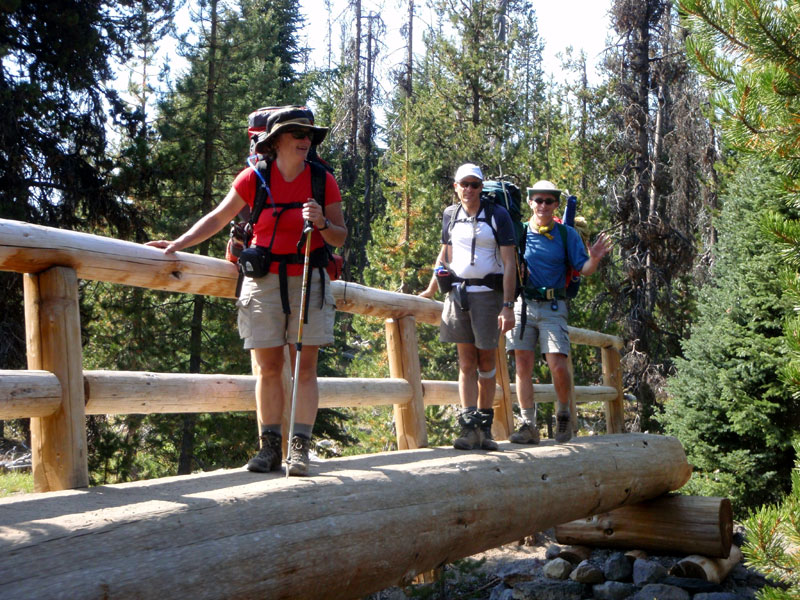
299 345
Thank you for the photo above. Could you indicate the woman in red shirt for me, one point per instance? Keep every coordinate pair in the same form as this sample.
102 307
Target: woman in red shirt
263 322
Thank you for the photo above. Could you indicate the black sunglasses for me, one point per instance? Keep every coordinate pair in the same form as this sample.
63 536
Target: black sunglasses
547 201
475 185
299 134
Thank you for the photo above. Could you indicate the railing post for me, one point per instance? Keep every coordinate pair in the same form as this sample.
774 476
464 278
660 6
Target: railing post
53 336
403 351
612 377
503 424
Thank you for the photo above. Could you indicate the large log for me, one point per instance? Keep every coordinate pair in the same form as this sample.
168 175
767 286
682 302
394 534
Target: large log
683 524
355 526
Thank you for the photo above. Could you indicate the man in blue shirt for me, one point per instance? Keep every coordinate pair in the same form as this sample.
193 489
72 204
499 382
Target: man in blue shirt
546 259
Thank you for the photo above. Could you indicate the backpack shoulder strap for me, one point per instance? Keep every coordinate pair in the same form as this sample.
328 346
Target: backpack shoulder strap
562 229
263 171
488 218
318 179
453 221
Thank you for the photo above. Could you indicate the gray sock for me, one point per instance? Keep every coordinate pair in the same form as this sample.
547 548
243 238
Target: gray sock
271 428
303 430
529 415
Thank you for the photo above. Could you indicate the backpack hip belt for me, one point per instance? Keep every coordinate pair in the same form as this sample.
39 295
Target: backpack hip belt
544 294
494 281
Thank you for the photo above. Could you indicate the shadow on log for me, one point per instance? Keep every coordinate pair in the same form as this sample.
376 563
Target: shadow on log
355 526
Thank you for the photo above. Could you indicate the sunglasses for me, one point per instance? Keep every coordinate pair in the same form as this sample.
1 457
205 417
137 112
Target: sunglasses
547 201
475 185
299 134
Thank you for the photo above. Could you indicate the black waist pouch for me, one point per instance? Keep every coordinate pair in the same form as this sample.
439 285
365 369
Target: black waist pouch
254 262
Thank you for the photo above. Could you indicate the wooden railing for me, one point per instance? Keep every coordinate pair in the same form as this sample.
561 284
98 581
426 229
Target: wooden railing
57 394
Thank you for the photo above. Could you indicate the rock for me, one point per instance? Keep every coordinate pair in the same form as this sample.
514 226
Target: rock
659 591
547 589
558 568
617 567
613 590
575 554
717 596
394 594
552 552
518 570
586 572
634 554
648 571
501 592
692 585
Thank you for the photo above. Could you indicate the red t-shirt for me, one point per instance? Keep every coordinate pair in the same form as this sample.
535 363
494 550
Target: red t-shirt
290 223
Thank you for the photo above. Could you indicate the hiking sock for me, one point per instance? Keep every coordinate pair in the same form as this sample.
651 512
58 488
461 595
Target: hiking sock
271 428
487 417
529 415
303 430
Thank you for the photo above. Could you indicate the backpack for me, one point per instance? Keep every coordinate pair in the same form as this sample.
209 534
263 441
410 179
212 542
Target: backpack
509 196
573 276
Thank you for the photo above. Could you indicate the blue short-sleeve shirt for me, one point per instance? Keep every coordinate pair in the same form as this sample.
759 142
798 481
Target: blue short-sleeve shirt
546 260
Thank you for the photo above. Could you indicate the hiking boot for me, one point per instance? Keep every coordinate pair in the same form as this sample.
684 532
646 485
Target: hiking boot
526 434
470 436
269 456
563 427
487 441
297 462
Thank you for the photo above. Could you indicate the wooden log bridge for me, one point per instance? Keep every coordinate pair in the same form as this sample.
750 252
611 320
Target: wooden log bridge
357 525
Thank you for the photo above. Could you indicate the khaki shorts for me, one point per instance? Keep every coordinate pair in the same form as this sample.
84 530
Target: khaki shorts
545 328
262 323
476 326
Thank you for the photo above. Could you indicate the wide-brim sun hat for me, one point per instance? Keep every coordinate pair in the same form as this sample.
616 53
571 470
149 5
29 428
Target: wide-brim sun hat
468 170
281 119
544 187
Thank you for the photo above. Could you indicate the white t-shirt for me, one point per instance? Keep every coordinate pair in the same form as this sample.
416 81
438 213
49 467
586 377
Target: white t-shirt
486 259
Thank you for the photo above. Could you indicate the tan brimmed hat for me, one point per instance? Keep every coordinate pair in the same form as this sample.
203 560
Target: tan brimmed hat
286 117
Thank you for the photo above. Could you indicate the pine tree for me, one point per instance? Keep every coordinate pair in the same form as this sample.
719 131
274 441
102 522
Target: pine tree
748 50
773 541
727 404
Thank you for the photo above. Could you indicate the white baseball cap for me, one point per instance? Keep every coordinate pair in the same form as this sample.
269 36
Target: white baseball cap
468 170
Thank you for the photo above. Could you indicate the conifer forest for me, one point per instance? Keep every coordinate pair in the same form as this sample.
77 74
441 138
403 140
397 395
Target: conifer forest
685 152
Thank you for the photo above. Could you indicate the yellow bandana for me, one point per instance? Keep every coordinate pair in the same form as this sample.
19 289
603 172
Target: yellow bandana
544 229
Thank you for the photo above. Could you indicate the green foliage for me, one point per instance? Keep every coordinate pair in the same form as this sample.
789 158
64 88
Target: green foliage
15 482
748 49
728 404
773 541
